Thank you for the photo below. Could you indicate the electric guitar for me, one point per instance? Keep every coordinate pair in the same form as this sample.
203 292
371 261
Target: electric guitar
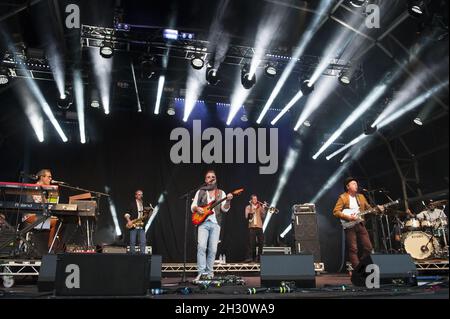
139 222
198 219
355 212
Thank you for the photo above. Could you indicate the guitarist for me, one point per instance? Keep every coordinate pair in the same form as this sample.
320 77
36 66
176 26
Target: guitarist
351 199
135 211
209 230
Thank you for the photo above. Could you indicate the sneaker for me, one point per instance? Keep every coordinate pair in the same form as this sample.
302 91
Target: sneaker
198 278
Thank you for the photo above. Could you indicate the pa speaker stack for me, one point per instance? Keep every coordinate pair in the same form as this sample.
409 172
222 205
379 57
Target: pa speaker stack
306 230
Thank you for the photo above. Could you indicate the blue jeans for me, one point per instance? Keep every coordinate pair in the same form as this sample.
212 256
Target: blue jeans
208 238
142 240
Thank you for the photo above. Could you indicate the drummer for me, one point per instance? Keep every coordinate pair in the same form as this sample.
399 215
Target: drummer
433 214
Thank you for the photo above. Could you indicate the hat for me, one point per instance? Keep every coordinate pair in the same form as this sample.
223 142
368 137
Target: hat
347 181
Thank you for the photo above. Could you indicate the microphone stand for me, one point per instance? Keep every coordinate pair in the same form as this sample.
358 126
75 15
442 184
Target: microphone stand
383 191
97 197
187 197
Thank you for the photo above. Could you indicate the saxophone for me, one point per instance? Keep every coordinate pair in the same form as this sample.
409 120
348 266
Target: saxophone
139 222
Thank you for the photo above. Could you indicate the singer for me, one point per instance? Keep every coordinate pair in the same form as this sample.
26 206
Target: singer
209 230
134 212
44 177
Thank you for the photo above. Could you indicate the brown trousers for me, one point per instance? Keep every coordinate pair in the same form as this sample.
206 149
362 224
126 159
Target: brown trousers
358 232
53 222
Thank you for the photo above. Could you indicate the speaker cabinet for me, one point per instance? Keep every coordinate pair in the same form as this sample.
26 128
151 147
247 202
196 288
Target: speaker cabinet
393 268
307 234
47 273
287 268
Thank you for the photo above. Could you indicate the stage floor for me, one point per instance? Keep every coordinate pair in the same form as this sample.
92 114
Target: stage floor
328 286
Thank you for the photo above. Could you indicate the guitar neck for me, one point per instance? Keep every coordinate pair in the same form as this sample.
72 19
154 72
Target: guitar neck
218 203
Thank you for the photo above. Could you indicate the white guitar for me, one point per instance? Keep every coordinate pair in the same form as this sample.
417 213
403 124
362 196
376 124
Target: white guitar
357 213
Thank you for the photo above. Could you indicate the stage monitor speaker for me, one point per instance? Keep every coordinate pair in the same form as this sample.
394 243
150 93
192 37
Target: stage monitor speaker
102 275
47 273
394 269
288 268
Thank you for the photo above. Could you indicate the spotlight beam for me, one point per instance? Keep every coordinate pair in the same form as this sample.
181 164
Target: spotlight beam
79 97
138 100
294 100
324 7
367 103
161 82
394 116
288 167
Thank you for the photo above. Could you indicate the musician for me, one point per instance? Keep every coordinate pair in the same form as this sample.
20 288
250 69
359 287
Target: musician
209 230
351 199
255 213
433 214
135 211
44 178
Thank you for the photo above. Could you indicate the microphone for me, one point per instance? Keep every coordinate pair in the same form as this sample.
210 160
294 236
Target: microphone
57 182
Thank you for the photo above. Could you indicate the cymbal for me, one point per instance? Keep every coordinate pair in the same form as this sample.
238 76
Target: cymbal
439 203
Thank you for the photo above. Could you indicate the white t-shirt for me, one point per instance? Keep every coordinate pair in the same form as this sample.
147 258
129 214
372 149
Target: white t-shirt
353 202
432 216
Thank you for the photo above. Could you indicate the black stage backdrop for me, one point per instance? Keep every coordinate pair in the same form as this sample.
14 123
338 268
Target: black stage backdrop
128 151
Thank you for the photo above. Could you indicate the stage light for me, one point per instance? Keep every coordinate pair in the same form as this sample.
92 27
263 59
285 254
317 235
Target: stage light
358 3
107 49
246 81
65 100
344 79
369 129
212 76
416 8
4 76
271 71
307 123
307 88
162 80
170 34
197 62
171 109
244 118
418 121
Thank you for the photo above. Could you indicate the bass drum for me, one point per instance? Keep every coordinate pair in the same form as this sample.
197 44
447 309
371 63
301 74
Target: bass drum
420 245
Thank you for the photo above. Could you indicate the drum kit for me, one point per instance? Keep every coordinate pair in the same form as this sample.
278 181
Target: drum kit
424 239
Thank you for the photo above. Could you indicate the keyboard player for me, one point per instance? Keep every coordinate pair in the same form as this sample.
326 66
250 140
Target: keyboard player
44 178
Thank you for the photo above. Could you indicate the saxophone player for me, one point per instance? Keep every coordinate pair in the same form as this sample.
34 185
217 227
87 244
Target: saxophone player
255 213
134 212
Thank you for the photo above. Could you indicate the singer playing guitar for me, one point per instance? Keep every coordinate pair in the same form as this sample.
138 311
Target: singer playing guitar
351 199
209 230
